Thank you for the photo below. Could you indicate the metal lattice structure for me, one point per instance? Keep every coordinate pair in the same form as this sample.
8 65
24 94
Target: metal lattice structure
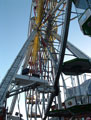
42 57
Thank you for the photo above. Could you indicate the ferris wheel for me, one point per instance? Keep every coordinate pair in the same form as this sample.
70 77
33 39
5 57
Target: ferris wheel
46 68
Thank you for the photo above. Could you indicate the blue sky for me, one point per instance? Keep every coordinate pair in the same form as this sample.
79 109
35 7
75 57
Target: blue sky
14 18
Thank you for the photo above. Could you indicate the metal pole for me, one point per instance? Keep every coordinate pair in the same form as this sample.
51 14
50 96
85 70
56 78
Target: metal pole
36 104
78 81
13 104
67 93
26 106
72 81
62 51
43 102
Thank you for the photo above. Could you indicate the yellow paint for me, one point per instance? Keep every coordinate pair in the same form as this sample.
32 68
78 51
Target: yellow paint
38 20
35 47
39 12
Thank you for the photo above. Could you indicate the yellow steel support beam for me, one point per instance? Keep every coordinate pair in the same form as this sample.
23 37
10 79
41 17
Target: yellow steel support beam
38 22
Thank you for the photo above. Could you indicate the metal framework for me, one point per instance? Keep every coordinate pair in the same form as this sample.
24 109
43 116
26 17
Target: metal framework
42 57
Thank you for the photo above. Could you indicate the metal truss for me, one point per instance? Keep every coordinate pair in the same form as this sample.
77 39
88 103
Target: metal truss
42 55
